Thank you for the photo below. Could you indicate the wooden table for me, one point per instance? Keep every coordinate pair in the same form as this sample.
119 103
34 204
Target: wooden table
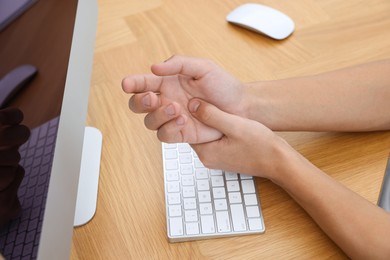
132 35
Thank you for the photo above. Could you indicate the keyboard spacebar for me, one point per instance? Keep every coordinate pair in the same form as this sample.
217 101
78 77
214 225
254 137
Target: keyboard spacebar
238 217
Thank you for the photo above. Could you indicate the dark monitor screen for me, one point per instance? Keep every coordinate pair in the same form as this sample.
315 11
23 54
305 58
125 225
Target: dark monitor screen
57 37
42 37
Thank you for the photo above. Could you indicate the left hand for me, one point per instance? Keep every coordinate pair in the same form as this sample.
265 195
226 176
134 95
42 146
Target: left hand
164 95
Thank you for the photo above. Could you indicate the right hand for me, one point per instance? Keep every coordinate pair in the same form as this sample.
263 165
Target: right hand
247 146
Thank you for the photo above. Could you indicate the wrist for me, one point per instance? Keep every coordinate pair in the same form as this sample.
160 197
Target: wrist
290 167
256 105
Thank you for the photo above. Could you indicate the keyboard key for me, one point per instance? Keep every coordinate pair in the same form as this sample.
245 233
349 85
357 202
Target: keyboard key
174 198
248 186
252 212
171 165
191 215
173 186
217 181
172 175
170 154
175 211
219 193
223 221
204 196
205 208
231 176
250 199
214 172
189 203
187 180
203 185
188 192
176 226
192 228
232 186
201 173
238 217
186 169
245 177
220 204
255 224
208 225
235 197
185 158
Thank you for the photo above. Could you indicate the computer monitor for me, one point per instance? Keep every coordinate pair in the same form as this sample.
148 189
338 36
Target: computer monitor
58 38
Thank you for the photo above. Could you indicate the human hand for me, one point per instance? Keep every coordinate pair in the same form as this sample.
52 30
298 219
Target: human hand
164 95
12 136
246 146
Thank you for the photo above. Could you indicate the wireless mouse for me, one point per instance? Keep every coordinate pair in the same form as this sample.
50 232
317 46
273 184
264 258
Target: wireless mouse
262 19
14 81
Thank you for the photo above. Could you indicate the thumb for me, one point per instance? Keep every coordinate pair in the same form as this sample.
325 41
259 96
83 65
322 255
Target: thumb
212 116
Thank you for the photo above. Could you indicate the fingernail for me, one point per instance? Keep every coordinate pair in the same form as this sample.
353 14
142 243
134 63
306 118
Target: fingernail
146 101
180 120
194 106
170 110
169 58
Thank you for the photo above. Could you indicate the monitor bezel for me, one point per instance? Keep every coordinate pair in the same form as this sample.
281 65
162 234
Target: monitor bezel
57 228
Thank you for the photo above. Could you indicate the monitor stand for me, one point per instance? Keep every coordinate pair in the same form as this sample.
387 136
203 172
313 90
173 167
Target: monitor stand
89 177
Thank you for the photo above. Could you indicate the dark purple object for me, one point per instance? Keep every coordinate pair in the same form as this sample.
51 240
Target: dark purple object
11 9
14 81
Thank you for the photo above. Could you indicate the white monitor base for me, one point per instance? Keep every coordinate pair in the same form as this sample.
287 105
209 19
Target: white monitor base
89 177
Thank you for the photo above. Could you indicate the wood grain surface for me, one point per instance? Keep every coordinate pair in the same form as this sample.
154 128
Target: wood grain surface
130 219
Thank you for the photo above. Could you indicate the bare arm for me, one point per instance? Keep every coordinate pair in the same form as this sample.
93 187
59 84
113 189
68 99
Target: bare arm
360 228
350 99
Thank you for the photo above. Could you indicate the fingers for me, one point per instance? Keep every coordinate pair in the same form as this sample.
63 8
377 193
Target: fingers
10 116
189 66
13 135
144 103
10 206
9 157
214 117
172 131
141 83
162 115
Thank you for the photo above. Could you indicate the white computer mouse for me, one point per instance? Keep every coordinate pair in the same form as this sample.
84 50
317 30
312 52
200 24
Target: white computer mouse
262 19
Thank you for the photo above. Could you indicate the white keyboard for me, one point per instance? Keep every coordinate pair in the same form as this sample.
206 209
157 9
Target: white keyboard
204 203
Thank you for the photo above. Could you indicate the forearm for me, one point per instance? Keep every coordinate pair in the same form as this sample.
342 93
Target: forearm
351 99
360 228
